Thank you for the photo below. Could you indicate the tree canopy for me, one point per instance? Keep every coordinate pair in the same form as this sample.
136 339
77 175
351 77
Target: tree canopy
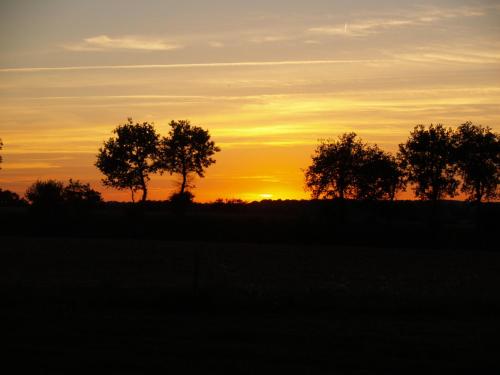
427 158
334 167
186 150
478 159
128 159
379 175
10 199
77 193
45 194
349 168
53 194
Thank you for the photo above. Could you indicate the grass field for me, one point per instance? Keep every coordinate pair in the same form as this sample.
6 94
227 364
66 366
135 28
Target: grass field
141 306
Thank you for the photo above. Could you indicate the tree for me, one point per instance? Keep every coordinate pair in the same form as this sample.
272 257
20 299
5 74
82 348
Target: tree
427 158
78 194
55 194
186 150
1 146
10 199
334 168
46 194
379 175
128 159
478 160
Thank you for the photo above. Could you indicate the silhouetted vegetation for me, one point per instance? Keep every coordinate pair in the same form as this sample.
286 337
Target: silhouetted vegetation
368 223
349 168
379 175
136 152
1 147
46 194
180 201
128 159
312 287
187 150
428 159
335 167
52 195
81 195
10 199
478 159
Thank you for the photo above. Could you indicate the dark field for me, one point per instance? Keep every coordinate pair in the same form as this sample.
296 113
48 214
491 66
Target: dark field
73 305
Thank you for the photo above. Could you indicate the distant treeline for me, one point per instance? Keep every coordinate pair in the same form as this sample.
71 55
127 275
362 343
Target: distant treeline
436 162
398 224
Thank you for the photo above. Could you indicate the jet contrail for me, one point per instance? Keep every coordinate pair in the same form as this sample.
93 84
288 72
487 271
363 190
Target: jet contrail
189 65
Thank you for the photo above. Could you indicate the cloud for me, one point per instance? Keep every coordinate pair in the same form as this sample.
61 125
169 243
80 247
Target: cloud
268 39
361 28
216 44
192 65
105 43
450 57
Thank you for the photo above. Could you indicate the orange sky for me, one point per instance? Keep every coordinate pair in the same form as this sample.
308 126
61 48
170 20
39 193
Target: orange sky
267 80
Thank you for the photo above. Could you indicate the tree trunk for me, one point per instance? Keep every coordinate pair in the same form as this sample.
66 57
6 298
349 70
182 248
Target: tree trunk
184 182
341 206
479 194
144 190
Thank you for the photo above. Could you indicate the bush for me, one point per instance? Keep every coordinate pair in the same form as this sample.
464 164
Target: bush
54 194
77 194
10 199
46 194
181 201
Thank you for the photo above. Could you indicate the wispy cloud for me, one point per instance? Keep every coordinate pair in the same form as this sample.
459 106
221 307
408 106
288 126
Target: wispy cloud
104 43
216 44
268 39
360 28
191 65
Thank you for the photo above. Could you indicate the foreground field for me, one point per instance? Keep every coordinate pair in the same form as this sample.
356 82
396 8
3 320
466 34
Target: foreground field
136 306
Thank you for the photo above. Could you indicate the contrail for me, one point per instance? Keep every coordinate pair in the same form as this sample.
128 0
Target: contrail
184 66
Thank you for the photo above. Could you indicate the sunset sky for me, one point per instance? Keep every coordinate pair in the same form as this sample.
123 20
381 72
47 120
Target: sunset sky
267 78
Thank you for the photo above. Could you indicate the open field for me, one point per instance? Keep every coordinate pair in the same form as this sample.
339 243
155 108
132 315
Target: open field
72 305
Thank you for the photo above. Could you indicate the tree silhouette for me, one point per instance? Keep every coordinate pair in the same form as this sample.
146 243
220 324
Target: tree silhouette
10 199
334 168
46 194
478 159
78 194
186 150
378 176
54 194
349 168
427 157
1 159
128 159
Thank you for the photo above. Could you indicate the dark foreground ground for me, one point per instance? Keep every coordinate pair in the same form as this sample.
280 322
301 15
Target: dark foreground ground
144 306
